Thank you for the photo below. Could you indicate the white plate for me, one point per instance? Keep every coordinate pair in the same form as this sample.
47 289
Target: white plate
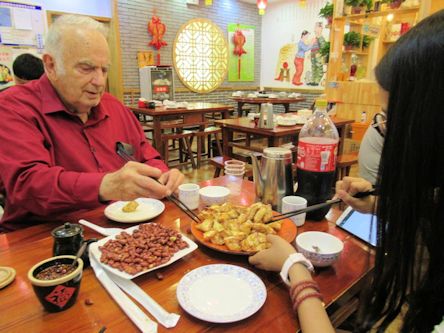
95 251
147 209
221 293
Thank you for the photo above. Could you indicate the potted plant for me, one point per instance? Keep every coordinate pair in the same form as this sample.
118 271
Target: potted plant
395 3
356 5
366 40
352 39
324 51
368 4
327 12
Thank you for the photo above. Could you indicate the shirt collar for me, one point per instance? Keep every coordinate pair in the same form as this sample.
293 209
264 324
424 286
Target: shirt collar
52 103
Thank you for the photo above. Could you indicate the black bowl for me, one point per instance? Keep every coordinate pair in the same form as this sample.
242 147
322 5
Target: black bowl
60 293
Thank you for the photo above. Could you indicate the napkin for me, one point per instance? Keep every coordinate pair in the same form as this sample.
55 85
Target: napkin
165 318
138 317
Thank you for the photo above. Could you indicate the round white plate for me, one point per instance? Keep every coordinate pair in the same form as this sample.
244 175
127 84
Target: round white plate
221 293
147 209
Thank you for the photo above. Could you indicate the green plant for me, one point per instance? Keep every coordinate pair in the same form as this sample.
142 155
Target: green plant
352 39
326 11
366 40
353 3
368 4
324 51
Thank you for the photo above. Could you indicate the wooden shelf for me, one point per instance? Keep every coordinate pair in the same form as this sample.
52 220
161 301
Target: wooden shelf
383 13
356 52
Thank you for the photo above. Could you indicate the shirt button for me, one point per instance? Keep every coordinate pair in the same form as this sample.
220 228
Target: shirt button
93 149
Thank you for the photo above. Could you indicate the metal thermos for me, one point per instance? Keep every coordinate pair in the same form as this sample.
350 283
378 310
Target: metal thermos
273 176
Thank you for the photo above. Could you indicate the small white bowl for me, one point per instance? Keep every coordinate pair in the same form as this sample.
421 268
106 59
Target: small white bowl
321 248
214 195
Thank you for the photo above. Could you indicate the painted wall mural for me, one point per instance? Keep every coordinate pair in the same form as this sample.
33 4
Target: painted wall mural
294 53
240 52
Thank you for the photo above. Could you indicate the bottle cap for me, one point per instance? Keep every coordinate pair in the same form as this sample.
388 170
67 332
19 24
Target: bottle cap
321 103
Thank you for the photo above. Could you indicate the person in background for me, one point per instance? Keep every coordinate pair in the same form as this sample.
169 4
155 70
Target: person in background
303 47
27 67
407 290
371 146
317 63
59 135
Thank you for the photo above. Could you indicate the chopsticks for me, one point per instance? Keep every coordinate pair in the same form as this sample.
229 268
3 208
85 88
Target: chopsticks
121 151
318 206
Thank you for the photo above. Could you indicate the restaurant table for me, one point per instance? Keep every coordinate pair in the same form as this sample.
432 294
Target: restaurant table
274 136
193 115
259 100
20 310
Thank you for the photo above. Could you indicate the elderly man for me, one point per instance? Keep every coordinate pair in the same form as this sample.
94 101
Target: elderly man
59 133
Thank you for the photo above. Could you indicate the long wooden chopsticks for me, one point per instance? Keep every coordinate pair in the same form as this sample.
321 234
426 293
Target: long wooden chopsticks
121 151
318 206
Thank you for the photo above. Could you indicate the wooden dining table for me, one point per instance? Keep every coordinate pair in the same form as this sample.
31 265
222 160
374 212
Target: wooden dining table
192 115
274 136
20 310
285 102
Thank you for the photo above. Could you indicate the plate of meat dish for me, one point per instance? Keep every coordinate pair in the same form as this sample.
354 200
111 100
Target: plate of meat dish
239 229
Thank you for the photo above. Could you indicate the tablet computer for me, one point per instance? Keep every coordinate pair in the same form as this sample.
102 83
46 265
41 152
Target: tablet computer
363 226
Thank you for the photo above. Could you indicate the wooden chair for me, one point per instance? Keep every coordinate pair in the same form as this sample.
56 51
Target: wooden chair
208 133
184 139
219 164
344 164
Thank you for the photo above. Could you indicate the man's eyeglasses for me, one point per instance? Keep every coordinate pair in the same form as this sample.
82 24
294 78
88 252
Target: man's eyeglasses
379 123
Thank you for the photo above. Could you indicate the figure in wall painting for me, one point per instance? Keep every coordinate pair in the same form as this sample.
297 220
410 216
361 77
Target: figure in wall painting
304 45
317 67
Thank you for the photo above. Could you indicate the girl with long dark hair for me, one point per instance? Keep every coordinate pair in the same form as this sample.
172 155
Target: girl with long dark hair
407 290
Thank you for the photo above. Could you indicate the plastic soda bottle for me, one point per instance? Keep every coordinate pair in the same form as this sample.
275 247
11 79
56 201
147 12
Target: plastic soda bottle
316 159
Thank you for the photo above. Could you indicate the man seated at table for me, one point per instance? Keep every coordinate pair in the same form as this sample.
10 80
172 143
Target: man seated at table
59 133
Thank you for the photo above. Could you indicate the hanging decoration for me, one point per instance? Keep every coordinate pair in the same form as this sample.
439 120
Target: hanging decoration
261 5
302 3
208 2
157 29
239 41
240 52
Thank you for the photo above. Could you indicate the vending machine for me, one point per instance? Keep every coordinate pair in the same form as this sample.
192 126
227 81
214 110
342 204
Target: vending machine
156 83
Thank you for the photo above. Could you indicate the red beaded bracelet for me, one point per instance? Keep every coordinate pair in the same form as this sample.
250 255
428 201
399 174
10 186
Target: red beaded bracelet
304 297
296 289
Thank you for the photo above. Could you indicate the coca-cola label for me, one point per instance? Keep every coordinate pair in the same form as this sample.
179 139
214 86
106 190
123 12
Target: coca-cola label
317 155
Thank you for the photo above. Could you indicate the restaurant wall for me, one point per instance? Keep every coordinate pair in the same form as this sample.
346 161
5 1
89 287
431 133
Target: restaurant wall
290 19
133 19
86 7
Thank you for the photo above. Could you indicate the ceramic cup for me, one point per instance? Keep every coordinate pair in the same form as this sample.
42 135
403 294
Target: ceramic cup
291 203
189 195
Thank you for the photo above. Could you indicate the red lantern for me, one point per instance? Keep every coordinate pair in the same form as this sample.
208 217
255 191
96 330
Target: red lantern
261 5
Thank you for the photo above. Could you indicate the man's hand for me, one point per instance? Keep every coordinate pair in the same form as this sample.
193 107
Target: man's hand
133 180
172 179
348 187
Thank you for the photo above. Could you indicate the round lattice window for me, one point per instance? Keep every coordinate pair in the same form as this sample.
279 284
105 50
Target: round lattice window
200 55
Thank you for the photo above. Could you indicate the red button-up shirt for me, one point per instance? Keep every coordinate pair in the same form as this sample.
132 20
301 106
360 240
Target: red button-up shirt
50 162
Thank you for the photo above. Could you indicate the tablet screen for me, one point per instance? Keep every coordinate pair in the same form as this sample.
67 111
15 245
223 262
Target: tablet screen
361 225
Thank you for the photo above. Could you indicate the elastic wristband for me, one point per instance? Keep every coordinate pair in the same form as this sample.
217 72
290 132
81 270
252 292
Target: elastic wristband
304 297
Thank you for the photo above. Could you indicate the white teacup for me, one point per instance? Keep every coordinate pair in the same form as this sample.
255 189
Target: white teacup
291 203
189 195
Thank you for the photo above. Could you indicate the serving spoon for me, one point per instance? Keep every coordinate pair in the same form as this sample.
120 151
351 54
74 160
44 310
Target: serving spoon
101 230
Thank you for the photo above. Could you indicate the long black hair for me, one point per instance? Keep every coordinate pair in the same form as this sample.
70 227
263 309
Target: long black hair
409 266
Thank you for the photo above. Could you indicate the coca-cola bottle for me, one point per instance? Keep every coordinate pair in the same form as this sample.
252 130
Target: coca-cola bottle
316 159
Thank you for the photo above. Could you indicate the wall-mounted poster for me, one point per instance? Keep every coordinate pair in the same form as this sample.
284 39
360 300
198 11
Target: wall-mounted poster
145 58
291 50
240 52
